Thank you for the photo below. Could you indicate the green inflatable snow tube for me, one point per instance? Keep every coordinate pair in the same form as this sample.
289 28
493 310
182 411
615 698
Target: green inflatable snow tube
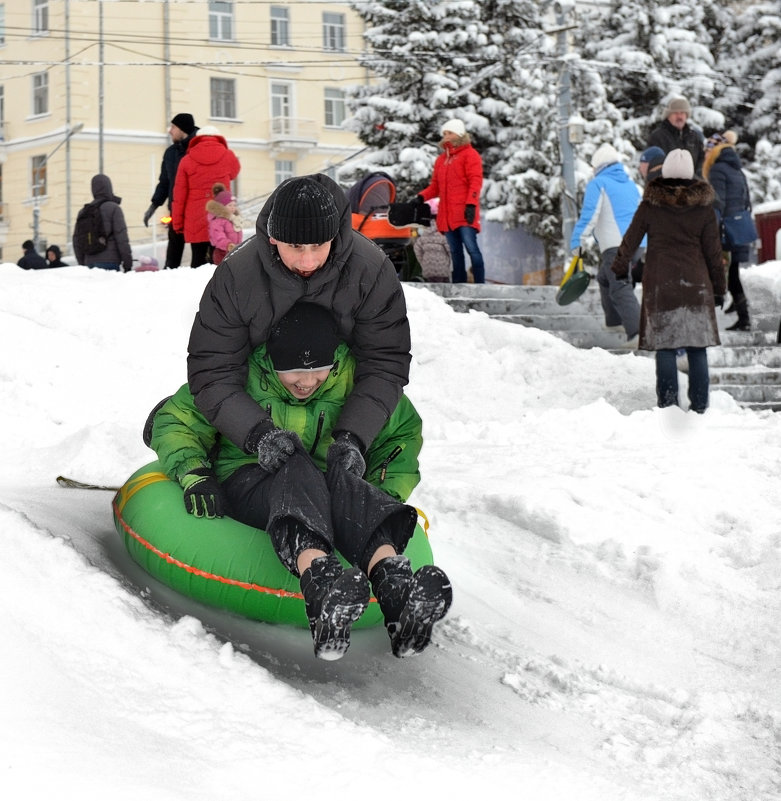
219 562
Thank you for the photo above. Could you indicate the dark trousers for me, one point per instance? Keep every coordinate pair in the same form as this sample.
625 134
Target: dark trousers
175 249
667 378
340 509
201 253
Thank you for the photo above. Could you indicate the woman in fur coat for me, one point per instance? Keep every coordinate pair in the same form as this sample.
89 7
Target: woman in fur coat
683 277
225 224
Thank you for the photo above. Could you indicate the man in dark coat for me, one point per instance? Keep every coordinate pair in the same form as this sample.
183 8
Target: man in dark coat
32 260
182 130
117 253
676 132
304 249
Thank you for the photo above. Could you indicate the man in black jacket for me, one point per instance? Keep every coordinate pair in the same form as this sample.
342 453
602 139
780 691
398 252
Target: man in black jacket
675 132
182 130
32 260
305 249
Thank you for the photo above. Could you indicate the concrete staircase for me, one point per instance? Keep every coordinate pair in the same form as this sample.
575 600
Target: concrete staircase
747 365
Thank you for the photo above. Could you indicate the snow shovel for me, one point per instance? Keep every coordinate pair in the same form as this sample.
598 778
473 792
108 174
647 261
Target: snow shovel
574 283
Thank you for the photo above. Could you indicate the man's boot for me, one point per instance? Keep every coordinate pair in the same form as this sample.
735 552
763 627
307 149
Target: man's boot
743 323
411 603
335 598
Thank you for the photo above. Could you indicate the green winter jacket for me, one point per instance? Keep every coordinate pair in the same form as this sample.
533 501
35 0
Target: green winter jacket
184 440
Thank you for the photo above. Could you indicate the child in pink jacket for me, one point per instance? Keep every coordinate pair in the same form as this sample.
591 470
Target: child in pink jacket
225 224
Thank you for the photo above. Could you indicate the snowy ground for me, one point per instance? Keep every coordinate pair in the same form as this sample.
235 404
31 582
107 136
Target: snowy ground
615 633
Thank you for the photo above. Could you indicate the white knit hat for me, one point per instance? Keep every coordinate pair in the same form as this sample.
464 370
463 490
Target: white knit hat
209 130
678 164
605 154
454 126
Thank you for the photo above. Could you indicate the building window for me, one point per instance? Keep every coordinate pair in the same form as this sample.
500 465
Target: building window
334 107
40 16
333 31
220 20
38 176
281 105
280 26
283 169
2 113
223 98
2 24
40 93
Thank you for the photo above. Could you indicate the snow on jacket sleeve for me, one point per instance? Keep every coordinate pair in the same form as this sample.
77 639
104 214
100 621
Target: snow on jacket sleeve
392 459
217 361
181 437
381 343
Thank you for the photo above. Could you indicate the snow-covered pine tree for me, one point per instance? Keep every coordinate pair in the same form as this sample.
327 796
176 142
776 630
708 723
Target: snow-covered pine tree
649 50
752 65
420 54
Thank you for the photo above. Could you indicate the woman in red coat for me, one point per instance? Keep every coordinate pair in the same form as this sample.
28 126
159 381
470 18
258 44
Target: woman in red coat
208 161
457 181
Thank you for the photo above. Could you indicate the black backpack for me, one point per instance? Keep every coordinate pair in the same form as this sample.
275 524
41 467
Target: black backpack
89 236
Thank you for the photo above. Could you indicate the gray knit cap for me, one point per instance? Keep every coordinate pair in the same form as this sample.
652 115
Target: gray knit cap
303 213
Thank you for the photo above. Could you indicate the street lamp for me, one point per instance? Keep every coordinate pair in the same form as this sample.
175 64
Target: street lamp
74 129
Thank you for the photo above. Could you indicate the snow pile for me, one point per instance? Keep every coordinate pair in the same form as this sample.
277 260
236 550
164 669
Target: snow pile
615 631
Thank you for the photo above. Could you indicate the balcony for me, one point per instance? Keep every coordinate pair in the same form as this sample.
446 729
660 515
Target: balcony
289 133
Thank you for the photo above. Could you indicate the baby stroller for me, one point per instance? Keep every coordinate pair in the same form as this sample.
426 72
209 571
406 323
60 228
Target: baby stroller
388 224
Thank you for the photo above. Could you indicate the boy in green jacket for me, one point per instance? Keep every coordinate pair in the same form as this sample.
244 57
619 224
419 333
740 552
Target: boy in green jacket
308 501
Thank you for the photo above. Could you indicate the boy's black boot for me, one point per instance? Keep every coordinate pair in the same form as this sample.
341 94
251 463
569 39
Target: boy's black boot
411 603
335 598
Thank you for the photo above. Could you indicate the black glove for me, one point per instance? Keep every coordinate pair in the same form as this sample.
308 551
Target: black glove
346 453
203 495
469 212
719 301
148 214
274 448
418 200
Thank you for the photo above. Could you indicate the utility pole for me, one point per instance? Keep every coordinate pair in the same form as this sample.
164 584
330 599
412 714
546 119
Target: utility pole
569 208
36 189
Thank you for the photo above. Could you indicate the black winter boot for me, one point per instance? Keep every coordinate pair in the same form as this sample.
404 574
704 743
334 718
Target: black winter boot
411 604
743 323
335 598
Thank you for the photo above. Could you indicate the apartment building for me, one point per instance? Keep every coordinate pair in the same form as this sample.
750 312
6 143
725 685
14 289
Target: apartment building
90 86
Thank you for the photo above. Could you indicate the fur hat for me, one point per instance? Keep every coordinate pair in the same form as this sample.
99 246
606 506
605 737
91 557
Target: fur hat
209 130
677 104
605 154
184 122
678 164
454 126
304 339
303 213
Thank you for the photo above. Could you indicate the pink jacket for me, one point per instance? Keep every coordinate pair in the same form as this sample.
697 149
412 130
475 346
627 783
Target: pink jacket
208 161
224 229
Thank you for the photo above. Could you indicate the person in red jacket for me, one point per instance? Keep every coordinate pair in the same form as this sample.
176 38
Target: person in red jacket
208 161
457 181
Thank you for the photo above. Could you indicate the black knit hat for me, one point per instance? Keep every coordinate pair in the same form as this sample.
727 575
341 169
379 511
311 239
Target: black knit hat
184 122
304 339
303 213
